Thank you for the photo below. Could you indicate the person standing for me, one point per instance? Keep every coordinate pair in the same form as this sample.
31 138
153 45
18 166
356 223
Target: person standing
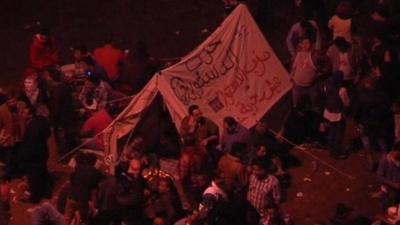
34 154
110 58
43 53
130 195
336 102
264 188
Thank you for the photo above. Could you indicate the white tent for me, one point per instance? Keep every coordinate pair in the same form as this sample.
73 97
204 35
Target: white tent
234 72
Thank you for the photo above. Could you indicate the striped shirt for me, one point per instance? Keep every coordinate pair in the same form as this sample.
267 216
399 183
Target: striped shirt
263 191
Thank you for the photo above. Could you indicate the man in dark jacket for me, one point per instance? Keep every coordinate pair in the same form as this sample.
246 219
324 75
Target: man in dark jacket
34 153
130 195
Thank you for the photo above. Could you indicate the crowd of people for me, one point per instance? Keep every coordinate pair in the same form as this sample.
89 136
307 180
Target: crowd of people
344 76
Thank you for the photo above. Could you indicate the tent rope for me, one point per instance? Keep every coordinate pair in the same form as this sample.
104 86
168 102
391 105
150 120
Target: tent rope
301 148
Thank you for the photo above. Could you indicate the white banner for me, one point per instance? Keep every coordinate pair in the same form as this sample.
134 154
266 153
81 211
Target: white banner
233 73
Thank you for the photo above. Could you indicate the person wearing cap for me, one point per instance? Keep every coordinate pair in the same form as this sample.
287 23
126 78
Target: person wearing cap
43 53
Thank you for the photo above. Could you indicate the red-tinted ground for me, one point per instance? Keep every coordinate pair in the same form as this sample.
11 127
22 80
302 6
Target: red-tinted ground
172 28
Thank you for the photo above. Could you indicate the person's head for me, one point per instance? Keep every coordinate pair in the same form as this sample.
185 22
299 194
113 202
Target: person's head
30 83
137 144
342 44
27 112
55 75
135 168
260 168
165 185
238 149
261 127
261 151
223 182
367 83
79 53
230 124
43 110
44 34
344 9
200 180
305 44
194 111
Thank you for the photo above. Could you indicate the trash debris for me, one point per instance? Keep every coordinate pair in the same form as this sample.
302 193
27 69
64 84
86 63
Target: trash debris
299 194
177 32
204 31
12 191
370 186
30 210
347 189
307 179
327 173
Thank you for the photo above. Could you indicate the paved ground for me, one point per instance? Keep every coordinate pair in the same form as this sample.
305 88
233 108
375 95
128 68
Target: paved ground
172 28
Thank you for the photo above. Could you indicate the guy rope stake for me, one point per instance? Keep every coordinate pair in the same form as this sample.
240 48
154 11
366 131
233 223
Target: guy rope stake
304 150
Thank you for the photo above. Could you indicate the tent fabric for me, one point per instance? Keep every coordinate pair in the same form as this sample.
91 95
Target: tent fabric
128 119
234 72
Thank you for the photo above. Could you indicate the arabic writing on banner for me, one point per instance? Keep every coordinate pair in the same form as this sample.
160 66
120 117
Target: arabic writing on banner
235 72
